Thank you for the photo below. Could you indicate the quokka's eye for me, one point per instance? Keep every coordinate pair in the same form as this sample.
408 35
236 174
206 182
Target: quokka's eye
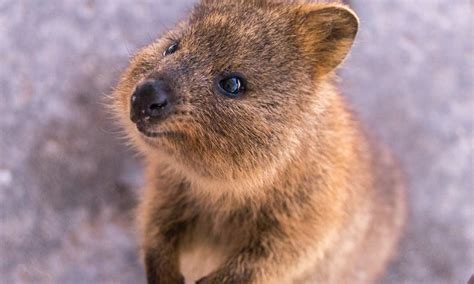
171 49
232 86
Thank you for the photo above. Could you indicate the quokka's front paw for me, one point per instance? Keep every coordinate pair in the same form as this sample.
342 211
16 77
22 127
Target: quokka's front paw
204 280
168 279
224 279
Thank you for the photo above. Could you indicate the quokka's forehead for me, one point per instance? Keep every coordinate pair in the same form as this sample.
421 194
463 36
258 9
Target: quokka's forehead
239 26
218 43
240 39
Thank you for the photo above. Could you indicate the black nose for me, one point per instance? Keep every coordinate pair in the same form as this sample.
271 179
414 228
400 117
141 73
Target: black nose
151 100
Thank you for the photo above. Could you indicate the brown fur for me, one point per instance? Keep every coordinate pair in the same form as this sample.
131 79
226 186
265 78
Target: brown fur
280 185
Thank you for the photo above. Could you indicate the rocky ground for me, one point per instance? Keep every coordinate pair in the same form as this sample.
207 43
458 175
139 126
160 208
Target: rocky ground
68 186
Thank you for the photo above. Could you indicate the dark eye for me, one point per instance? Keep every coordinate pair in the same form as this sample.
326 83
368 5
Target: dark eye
171 49
232 86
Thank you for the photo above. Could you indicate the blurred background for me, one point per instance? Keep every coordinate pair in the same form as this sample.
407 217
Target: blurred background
68 186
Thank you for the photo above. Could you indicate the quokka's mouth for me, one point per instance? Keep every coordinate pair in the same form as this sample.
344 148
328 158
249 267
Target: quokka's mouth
144 130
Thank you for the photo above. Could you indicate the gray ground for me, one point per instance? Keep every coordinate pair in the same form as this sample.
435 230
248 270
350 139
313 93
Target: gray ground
67 185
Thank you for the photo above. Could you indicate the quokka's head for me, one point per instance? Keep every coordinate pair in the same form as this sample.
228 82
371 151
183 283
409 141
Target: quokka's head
229 91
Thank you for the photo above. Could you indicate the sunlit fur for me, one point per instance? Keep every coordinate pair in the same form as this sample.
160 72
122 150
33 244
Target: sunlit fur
280 185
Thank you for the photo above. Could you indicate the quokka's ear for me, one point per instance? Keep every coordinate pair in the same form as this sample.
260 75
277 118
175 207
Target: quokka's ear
325 34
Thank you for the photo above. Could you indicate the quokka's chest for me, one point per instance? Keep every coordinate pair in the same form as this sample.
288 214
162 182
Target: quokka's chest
199 256
210 241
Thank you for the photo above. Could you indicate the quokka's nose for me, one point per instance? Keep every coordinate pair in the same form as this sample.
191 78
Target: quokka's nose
151 100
